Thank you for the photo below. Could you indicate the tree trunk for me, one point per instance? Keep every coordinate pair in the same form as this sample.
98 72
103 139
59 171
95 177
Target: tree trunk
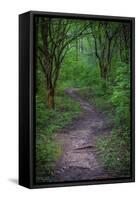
51 99
77 46
104 71
104 76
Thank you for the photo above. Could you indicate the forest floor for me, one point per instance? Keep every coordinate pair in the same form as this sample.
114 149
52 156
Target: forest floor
80 157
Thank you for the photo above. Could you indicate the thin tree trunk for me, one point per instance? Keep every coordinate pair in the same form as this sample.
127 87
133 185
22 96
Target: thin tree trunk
77 46
104 75
51 99
104 71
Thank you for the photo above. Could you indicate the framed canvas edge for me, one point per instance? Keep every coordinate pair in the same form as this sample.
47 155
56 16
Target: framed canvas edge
79 15
32 184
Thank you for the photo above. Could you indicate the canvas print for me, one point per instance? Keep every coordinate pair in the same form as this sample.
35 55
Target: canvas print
82 99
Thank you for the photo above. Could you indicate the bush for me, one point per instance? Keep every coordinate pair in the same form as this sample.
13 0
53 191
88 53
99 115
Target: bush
78 72
115 152
120 97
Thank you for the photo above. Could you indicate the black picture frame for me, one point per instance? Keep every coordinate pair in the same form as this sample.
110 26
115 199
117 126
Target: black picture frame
27 100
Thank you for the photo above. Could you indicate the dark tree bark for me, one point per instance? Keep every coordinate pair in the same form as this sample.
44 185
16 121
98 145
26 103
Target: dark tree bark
104 35
124 43
51 100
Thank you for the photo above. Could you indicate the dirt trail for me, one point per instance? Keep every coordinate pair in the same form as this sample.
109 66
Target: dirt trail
79 160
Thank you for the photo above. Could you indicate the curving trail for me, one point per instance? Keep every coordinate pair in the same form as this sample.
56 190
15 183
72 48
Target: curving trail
79 160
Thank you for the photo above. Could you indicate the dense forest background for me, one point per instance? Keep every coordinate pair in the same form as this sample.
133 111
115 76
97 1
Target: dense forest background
93 56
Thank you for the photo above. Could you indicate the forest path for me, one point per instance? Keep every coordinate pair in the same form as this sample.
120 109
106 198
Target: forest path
79 160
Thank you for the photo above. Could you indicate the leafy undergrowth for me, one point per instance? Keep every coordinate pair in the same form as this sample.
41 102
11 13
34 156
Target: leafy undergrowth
115 153
48 122
114 148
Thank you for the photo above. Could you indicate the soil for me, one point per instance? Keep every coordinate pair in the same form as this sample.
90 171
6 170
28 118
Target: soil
80 157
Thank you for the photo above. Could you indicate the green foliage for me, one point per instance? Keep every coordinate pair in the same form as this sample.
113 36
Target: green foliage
78 73
47 152
115 152
120 97
41 116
